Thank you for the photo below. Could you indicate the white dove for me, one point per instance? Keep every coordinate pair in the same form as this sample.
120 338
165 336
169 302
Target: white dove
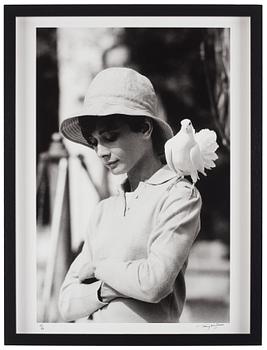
188 153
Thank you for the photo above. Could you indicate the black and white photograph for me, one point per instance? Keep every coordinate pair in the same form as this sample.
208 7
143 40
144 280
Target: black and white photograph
131 213
133 220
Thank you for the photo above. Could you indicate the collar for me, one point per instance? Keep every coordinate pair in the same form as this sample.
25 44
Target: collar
161 176
164 174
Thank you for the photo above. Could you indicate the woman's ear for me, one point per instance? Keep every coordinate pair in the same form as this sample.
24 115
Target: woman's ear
147 128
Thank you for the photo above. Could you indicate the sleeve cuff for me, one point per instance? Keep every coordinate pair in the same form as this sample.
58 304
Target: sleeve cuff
98 294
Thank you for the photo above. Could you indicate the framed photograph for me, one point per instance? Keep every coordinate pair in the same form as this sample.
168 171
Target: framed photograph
133 174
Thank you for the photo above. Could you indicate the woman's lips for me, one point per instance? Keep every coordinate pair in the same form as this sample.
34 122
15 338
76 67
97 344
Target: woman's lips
111 164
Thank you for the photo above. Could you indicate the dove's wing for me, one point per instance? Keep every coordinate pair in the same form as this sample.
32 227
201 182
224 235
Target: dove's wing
177 153
168 155
206 139
196 159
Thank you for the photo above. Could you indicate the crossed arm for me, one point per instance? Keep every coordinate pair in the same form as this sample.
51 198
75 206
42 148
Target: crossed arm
78 299
152 279
149 279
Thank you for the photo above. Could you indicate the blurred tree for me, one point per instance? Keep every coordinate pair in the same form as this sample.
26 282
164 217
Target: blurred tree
47 95
47 87
214 52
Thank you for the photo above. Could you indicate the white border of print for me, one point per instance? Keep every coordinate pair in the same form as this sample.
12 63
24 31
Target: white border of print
25 177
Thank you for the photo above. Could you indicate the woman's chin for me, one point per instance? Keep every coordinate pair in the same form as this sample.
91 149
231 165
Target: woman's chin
117 171
117 168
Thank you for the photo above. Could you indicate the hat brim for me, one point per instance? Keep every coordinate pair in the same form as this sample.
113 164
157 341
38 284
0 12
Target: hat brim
71 129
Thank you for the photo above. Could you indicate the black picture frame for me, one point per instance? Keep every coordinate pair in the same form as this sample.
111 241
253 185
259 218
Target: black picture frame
11 12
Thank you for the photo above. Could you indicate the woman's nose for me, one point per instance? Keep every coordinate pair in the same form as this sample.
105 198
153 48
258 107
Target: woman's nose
102 151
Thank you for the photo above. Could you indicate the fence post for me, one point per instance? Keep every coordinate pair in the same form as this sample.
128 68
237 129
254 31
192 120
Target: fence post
59 261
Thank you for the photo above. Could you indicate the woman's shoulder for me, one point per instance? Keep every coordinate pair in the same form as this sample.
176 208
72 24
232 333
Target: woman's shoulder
167 184
181 188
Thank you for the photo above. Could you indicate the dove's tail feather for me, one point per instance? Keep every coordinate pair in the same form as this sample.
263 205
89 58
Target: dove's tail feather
206 140
194 176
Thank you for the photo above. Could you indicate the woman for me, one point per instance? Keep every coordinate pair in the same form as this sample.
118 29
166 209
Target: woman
131 268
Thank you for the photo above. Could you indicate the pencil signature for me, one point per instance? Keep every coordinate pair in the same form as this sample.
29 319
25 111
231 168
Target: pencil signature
210 326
